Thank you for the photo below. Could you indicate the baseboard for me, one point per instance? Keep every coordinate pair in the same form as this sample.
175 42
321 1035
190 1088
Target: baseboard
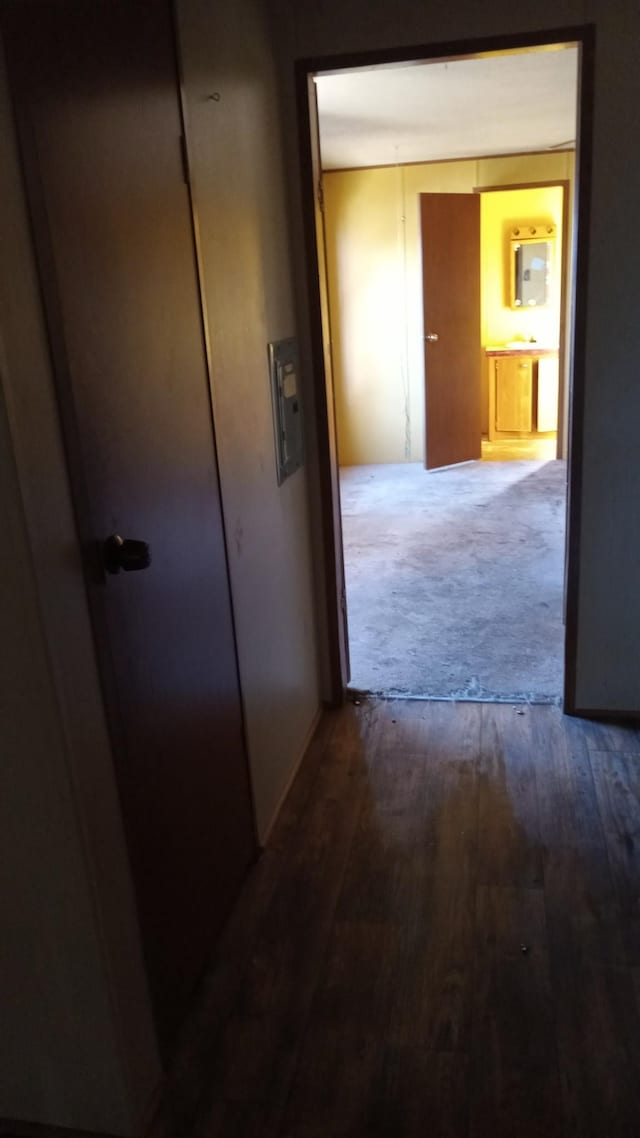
294 770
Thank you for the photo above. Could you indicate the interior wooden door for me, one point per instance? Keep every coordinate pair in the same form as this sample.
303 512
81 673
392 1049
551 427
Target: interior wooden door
98 110
450 233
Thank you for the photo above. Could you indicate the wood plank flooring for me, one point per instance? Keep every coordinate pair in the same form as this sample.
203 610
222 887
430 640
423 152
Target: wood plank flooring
442 938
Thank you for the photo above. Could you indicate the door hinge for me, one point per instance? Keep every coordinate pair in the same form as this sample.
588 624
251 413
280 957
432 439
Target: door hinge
320 195
184 155
343 600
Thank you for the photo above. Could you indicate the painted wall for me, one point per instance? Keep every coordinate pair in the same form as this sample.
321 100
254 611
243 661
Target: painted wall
608 675
499 212
499 322
237 170
375 287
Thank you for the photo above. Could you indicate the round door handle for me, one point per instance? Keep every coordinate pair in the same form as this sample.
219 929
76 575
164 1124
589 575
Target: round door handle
125 553
432 337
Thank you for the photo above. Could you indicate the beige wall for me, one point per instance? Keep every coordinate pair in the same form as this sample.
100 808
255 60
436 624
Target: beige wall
375 288
235 153
608 675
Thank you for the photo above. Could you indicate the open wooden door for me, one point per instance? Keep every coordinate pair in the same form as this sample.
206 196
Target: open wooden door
450 229
334 539
98 109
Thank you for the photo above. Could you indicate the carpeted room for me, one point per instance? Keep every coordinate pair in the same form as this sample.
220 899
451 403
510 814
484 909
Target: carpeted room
455 579
454 576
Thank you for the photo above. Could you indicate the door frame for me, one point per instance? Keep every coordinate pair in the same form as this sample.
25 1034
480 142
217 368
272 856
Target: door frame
584 36
564 386
93 570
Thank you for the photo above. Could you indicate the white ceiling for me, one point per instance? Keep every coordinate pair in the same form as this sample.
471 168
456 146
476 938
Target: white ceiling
501 104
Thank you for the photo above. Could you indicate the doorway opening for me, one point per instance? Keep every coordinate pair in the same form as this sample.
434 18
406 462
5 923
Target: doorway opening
445 249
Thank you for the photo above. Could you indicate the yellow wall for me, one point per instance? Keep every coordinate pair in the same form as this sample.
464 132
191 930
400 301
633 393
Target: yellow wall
375 287
499 212
366 287
499 322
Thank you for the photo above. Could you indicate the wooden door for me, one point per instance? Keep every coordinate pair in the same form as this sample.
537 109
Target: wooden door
450 230
334 539
98 111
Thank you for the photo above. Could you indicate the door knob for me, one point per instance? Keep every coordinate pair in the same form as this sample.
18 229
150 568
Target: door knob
125 553
432 337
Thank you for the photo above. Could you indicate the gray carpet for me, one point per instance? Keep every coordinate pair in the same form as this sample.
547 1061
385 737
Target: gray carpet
455 579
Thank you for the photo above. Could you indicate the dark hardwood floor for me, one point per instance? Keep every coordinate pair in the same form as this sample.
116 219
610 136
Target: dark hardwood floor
441 939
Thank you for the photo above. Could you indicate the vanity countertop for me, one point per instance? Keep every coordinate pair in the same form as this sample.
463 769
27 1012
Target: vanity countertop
525 349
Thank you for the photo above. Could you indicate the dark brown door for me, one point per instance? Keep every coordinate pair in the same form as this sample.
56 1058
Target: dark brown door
451 291
100 127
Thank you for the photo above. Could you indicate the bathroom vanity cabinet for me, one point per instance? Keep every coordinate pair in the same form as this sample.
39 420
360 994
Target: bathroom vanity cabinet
523 391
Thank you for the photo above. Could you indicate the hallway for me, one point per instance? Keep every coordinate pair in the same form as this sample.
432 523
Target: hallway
441 938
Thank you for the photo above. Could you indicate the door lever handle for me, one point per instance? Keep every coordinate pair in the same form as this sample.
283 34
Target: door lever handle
125 553
432 337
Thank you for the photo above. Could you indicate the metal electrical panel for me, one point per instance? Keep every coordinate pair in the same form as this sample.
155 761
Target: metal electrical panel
287 407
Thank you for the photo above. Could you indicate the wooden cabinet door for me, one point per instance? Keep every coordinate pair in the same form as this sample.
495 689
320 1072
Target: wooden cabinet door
514 381
548 376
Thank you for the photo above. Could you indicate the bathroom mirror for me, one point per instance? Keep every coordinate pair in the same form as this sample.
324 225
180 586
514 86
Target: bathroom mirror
531 265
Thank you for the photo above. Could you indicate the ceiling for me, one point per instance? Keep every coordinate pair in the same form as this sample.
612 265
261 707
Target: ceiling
500 104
